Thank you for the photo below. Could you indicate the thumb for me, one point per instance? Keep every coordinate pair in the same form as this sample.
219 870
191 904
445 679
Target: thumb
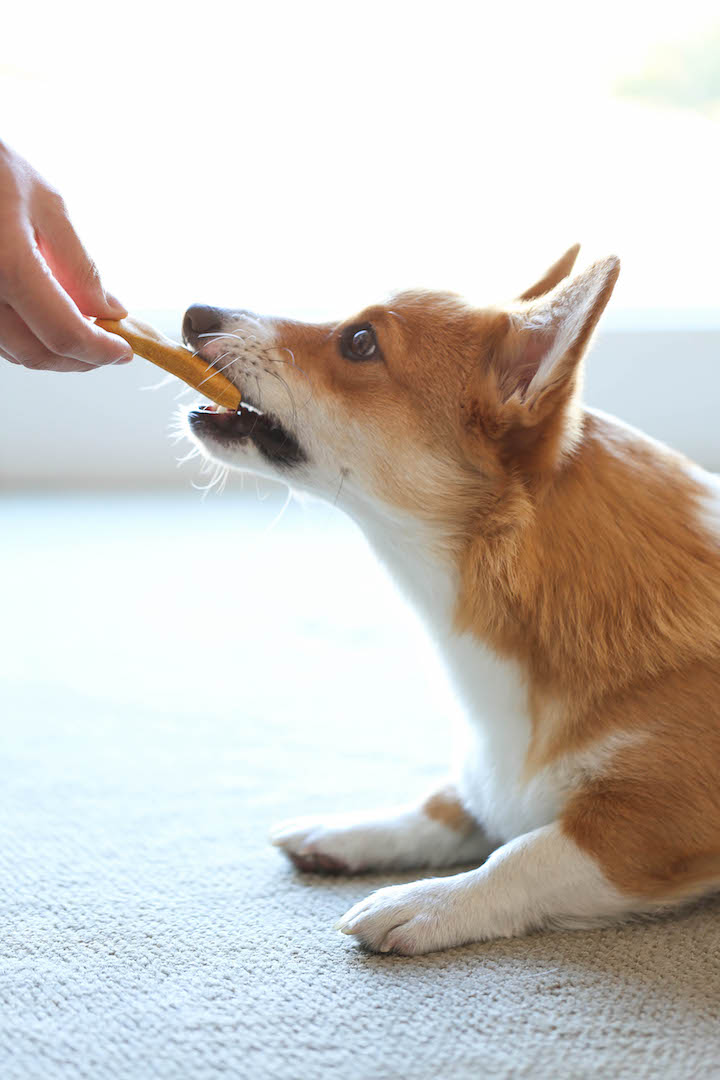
71 265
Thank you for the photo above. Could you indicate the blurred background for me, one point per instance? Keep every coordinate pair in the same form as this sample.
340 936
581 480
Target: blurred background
306 159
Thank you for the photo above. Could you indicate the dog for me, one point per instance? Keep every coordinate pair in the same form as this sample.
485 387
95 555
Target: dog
568 567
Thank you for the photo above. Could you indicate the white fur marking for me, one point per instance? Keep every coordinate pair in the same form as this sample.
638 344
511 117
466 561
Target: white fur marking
399 838
492 781
539 879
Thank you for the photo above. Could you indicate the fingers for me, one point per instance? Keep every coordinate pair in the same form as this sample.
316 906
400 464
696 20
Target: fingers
69 261
48 283
29 287
21 346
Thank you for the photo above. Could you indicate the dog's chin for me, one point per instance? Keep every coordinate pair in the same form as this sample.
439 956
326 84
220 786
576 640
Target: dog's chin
225 434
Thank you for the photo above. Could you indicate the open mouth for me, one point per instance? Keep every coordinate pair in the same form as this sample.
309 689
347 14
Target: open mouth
267 434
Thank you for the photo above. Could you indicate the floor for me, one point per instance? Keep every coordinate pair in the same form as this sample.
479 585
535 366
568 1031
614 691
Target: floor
178 673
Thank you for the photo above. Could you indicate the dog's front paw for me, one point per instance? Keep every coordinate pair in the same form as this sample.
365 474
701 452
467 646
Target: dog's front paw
331 846
411 919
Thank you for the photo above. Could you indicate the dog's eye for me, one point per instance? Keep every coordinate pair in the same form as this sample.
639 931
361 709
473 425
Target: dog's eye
363 343
359 343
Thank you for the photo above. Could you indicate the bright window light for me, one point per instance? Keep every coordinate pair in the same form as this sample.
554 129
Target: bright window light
307 158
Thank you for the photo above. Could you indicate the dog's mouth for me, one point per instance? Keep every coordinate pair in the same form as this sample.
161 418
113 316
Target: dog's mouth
231 429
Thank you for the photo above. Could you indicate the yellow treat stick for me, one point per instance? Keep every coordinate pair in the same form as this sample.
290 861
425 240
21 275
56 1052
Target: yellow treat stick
149 343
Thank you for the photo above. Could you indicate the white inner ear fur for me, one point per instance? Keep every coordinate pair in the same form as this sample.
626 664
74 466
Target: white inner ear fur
549 328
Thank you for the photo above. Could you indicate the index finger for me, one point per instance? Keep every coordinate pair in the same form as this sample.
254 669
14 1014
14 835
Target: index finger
53 317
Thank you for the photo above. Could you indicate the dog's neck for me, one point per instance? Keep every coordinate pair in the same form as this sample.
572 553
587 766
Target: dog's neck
608 583
615 539
416 557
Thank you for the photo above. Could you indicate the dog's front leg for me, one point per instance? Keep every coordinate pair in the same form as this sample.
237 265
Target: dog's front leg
540 879
439 832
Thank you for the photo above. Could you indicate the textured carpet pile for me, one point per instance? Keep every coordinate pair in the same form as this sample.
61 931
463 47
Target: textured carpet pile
177 675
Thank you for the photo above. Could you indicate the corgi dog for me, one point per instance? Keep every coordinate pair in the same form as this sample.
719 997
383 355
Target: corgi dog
568 568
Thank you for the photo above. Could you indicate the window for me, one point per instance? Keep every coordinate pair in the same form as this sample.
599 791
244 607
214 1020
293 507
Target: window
308 158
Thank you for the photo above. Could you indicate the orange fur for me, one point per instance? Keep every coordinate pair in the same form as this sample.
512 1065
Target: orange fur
653 822
445 806
578 545
598 590
611 604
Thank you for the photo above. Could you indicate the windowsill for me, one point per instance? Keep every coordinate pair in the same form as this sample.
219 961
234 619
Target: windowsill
644 319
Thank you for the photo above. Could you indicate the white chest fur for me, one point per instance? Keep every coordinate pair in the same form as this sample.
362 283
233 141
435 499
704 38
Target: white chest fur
492 779
491 689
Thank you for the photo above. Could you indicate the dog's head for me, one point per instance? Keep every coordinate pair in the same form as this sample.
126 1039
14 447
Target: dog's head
425 404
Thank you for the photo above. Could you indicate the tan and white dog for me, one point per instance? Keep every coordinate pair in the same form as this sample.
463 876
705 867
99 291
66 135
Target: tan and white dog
569 569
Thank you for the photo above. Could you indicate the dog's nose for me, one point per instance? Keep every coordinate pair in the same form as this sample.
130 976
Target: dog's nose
201 319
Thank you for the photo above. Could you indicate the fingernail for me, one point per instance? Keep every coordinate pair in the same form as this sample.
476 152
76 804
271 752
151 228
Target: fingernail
113 302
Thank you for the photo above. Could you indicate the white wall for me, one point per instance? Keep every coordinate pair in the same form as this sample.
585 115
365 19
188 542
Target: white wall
105 429
666 382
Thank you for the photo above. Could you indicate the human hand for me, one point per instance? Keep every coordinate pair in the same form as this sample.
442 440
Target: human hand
48 282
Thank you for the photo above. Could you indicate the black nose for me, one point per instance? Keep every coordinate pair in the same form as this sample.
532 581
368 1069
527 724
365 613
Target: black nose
201 319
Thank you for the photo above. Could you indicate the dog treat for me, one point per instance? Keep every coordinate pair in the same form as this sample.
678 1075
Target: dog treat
149 343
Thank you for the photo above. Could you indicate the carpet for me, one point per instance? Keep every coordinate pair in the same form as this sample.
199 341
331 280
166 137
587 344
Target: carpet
177 675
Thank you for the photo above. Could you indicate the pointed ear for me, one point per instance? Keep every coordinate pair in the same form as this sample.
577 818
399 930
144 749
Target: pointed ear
553 276
523 397
537 358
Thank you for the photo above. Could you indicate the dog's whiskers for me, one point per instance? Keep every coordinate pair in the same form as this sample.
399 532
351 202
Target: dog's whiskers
242 338
281 512
265 354
294 365
274 375
218 480
192 453
217 371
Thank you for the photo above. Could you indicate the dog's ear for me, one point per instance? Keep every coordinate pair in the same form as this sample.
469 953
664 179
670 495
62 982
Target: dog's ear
553 276
545 339
530 371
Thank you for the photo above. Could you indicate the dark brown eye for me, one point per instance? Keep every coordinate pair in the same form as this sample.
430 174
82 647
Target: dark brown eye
359 343
363 343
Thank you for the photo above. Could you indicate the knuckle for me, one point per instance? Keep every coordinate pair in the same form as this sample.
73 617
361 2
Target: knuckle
90 274
86 278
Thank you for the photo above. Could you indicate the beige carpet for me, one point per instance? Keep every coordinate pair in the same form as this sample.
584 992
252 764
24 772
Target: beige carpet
175 678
